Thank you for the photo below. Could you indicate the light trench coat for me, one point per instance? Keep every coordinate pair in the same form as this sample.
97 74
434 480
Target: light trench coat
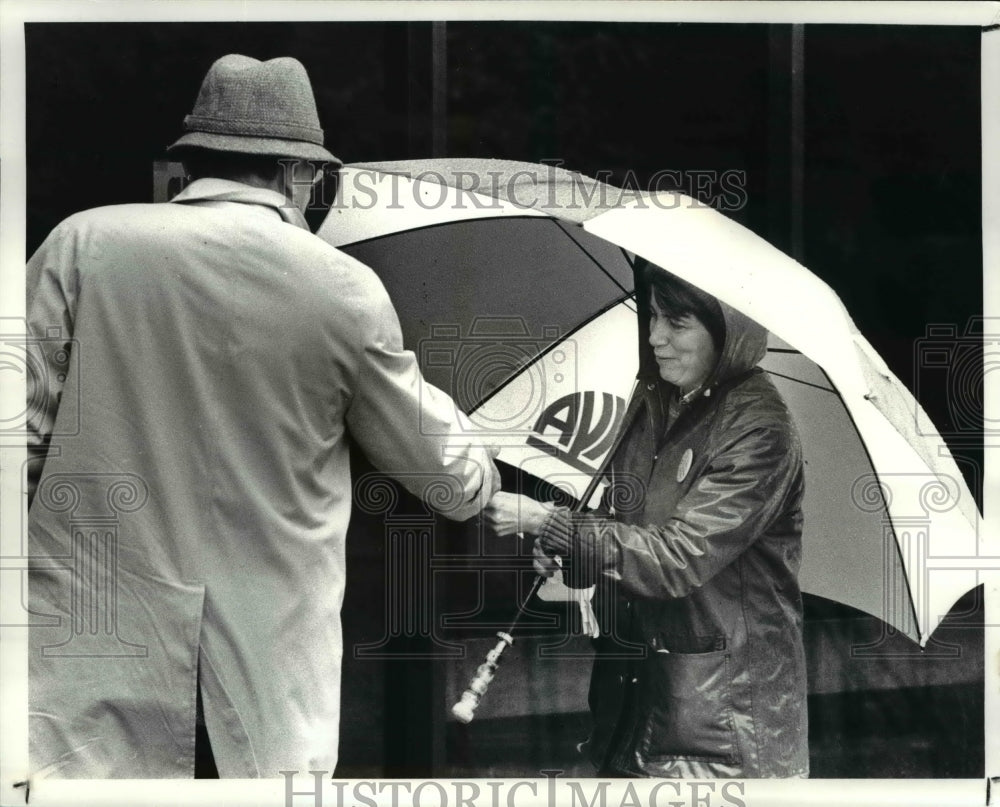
199 366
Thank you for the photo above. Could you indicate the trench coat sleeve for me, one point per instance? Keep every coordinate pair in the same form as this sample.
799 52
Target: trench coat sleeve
743 489
51 281
412 430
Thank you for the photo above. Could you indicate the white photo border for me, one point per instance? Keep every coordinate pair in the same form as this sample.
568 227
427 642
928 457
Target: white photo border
13 640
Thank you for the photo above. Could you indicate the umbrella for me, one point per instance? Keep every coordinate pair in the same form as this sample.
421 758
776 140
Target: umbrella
513 282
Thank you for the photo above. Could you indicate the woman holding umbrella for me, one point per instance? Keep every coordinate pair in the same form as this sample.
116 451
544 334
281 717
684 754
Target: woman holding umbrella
695 552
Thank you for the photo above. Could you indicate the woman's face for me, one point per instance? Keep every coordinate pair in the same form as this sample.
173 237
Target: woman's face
683 348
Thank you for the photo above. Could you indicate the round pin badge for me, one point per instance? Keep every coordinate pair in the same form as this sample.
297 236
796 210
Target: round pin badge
685 464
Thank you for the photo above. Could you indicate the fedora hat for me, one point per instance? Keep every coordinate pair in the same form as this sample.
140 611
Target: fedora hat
253 107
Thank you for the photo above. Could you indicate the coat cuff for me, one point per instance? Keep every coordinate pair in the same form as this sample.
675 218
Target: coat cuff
556 533
585 544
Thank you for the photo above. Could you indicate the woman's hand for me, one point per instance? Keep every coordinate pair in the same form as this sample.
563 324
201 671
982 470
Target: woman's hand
543 563
510 513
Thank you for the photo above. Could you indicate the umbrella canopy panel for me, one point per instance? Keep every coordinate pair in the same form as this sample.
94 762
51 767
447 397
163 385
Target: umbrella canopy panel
530 325
849 553
478 300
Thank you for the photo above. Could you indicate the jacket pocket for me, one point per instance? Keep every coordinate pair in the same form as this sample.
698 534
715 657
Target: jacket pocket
688 708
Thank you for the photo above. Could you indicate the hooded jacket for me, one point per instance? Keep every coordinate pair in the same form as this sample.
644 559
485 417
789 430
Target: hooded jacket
700 667
207 362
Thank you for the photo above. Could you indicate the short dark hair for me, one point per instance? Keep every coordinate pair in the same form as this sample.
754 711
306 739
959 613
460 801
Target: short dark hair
678 299
200 163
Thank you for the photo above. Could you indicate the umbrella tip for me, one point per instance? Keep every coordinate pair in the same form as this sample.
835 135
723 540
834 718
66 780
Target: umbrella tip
464 710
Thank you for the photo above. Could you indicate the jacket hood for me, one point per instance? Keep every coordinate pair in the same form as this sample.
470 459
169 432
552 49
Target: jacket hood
744 342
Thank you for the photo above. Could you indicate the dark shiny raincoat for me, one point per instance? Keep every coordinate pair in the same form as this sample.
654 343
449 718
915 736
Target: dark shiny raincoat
700 668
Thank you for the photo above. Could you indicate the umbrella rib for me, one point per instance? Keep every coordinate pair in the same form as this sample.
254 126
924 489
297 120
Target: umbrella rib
584 250
800 381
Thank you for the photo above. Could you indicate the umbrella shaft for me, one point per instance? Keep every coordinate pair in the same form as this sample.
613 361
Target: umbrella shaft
537 584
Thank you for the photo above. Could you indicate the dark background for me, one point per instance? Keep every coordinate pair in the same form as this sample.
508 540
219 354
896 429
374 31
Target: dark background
861 151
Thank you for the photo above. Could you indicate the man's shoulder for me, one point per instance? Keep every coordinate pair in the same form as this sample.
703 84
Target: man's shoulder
166 219
106 215
165 222
96 225
122 221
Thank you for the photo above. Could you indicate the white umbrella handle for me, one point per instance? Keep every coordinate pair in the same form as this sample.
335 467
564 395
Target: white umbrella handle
465 709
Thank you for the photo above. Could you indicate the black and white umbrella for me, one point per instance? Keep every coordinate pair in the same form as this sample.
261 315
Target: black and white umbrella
514 285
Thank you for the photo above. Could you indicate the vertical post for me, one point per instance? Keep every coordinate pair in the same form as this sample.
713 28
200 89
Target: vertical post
797 141
416 89
439 89
426 89
786 137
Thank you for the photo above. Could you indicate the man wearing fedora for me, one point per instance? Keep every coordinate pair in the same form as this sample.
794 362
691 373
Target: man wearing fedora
188 511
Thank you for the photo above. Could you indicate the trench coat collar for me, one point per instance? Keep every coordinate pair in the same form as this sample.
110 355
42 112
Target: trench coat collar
225 190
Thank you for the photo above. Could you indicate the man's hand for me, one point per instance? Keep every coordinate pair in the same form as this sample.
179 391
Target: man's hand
511 513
